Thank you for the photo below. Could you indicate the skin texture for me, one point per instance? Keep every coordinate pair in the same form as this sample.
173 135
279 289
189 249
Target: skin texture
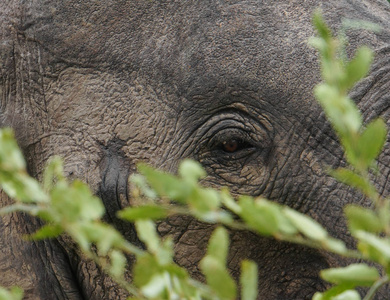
108 84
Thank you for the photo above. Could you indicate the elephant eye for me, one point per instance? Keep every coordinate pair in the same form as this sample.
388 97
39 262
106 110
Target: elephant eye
234 145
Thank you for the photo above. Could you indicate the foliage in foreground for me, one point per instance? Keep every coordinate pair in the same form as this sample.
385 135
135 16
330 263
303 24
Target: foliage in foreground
71 208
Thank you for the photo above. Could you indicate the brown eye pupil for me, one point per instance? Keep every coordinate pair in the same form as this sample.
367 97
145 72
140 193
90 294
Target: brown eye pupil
230 146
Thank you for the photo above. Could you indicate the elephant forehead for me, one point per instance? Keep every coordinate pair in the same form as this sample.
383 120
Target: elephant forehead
101 104
149 33
191 47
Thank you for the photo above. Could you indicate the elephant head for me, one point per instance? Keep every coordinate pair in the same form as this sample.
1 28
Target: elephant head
108 84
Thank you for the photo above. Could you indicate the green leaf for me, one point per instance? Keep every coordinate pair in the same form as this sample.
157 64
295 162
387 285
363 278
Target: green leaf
213 265
352 179
332 292
334 245
218 278
202 201
354 275
103 235
360 24
191 170
11 158
306 225
371 143
229 202
340 110
358 67
319 44
165 252
166 185
248 280
53 173
373 247
318 296
22 187
360 218
76 202
263 216
118 263
30 208
218 245
146 231
319 23
109 238
79 236
348 295
145 268
155 287
14 293
45 232
152 212
91 207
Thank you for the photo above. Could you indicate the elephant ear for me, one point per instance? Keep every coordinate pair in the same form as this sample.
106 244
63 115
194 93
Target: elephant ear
5 54
21 83
9 41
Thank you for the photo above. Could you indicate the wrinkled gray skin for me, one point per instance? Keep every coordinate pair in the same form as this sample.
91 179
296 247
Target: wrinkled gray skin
107 84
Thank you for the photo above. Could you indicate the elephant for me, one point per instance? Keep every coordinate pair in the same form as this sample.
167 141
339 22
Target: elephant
109 84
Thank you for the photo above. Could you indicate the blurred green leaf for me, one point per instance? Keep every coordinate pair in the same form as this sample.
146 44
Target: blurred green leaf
374 247
249 280
53 173
360 218
354 180
14 293
203 200
262 216
319 24
153 212
146 230
335 246
46 231
22 187
229 202
213 265
340 110
145 268
306 225
140 182
218 278
11 158
165 252
354 275
76 202
370 143
103 235
166 185
332 292
348 295
91 207
218 245
155 287
358 67
118 263
191 170
360 25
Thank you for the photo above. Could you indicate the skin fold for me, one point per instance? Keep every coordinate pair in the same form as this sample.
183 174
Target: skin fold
108 84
